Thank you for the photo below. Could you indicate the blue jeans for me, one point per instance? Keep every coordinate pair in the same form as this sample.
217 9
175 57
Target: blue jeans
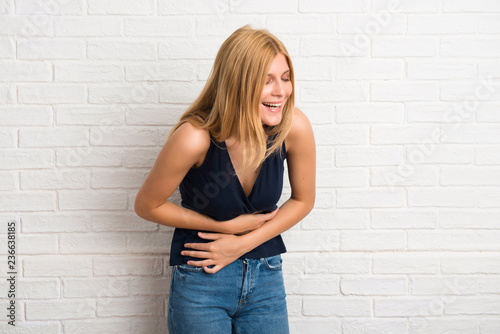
245 297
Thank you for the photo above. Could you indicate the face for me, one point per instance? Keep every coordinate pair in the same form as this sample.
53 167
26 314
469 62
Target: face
277 89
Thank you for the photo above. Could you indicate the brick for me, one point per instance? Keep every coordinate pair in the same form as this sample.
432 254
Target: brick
123 93
142 157
60 309
124 136
154 115
342 177
312 285
313 69
452 325
358 69
405 263
441 197
31 327
85 72
442 24
26 72
461 219
406 134
408 307
485 113
444 70
54 180
5 6
122 7
301 24
427 153
8 181
95 287
28 201
396 91
46 48
372 286
469 176
341 135
373 326
334 47
471 134
130 307
336 306
335 220
8 138
335 6
365 198
57 265
341 91
189 48
154 242
87 26
443 285
368 240
129 265
37 244
468 93
116 49
54 222
488 284
92 200
265 7
51 94
337 263
407 46
117 179
105 116
488 197
437 112
89 157
109 243
323 240
26 158
171 7
7 49
144 324
472 305
39 288
53 137
368 156
95 325
489 325
160 26
7 94
67 7
466 6
121 222
175 70
26 115
210 25
405 6
395 176
480 47
147 286
403 219
372 24
453 240
470 263
175 93
488 24
315 325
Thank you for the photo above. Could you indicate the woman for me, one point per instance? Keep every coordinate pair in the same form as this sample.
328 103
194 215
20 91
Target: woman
226 155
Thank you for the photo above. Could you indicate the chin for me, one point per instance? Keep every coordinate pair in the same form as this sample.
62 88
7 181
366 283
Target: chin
271 121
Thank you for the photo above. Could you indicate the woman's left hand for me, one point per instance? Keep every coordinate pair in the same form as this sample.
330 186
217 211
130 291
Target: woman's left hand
225 249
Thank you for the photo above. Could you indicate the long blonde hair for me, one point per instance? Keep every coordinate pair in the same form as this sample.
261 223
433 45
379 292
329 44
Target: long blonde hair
228 105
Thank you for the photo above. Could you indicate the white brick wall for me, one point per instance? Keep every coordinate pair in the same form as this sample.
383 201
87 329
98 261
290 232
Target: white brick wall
404 97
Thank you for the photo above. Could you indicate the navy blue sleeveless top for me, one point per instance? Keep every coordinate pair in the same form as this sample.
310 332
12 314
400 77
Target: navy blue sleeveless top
213 189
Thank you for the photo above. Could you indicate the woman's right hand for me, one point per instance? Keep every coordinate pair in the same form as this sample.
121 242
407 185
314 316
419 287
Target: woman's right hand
247 222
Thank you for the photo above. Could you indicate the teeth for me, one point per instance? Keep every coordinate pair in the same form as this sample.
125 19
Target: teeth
272 105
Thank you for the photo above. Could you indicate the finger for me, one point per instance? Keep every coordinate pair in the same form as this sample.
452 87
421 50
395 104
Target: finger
203 263
212 270
210 236
198 246
198 254
270 215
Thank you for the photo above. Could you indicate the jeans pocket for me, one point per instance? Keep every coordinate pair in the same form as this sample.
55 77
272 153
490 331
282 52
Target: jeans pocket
273 262
189 268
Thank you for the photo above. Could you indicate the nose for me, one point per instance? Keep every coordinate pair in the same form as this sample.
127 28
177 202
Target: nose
278 88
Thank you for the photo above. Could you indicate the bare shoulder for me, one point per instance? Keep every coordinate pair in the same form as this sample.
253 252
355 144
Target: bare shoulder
300 129
190 142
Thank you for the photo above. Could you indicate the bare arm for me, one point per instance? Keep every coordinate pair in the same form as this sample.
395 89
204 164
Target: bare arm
301 157
186 148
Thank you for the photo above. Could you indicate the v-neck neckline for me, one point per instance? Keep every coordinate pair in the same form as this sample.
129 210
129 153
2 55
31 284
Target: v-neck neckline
238 180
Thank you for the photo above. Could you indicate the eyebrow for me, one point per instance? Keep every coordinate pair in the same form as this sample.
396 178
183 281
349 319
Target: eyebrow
268 74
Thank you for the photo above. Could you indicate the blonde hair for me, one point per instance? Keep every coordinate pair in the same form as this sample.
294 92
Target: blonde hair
228 105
